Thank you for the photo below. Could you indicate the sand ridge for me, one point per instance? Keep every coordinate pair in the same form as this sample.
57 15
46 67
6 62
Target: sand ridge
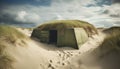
37 55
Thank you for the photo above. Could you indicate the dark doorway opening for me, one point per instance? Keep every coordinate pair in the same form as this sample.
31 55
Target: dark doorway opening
53 36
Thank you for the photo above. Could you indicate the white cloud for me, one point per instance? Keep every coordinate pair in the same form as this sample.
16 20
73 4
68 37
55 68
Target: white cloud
24 16
21 16
65 9
114 10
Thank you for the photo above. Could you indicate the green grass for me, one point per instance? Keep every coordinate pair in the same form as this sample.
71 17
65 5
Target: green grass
30 29
111 42
113 37
10 34
8 37
66 24
2 46
112 30
5 60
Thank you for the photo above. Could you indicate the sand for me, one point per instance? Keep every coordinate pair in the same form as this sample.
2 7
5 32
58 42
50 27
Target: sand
37 55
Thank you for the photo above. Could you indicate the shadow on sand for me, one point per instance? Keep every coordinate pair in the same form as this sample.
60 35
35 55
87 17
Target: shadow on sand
51 47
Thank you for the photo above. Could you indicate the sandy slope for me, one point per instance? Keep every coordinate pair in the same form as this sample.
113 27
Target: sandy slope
36 55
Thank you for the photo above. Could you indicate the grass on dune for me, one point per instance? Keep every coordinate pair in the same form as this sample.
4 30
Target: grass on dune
113 37
111 42
8 36
112 30
2 47
5 60
66 24
30 29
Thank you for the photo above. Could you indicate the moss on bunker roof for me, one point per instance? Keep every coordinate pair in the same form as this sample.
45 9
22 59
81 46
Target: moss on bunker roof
64 24
68 24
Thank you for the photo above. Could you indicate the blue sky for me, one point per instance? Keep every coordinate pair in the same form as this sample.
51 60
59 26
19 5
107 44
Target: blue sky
101 13
23 2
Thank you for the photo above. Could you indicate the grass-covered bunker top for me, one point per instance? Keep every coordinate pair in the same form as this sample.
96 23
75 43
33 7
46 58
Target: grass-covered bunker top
64 32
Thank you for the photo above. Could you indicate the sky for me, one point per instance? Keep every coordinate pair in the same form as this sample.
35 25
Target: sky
100 13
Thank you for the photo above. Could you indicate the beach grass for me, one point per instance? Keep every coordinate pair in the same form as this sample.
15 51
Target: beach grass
111 42
8 37
68 24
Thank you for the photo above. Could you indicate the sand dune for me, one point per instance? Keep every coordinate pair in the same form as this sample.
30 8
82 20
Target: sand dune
36 55
33 54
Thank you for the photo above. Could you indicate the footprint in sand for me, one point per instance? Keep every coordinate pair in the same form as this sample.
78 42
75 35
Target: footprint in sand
50 61
67 56
63 64
60 55
69 53
50 66
68 62
58 62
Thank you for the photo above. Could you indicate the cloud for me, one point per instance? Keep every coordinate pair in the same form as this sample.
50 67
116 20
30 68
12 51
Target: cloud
116 1
113 11
24 2
23 16
59 9
99 13
18 15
